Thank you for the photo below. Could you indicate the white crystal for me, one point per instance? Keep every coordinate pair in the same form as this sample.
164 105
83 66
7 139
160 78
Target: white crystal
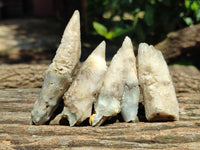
158 91
129 104
58 75
121 72
80 97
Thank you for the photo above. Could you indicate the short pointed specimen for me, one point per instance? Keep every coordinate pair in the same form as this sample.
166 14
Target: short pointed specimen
59 74
80 97
121 75
158 91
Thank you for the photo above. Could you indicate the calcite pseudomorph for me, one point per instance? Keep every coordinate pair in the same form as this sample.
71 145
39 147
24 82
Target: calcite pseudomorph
79 98
111 90
120 87
158 91
59 73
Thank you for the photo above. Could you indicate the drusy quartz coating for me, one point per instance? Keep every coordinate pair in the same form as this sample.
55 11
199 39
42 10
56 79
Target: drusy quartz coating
120 86
80 97
158 91
58 75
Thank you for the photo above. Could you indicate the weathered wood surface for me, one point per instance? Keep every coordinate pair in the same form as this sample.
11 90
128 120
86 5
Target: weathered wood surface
179 43
16 133
21 76
185 78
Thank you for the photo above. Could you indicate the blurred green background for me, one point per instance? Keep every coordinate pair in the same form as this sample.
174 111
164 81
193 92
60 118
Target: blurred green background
143 20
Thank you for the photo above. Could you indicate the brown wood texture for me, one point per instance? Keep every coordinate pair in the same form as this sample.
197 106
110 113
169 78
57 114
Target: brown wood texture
16 133
179 43
21 76
185 78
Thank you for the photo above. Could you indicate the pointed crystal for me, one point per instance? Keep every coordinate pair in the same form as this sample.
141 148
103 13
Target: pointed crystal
121 72
80 97
59 73
158 91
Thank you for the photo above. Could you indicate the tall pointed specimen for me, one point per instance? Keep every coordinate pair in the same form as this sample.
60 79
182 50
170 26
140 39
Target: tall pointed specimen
78 100
120 86
158 91
59 74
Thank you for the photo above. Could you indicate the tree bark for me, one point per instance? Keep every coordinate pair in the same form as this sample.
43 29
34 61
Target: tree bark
180 43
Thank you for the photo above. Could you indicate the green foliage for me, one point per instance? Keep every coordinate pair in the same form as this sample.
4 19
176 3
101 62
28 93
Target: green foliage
193 7
103 31
149 15
144 20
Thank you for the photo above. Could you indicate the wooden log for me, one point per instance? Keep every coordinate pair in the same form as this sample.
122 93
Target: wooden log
22 76
179 43
16 133
185 78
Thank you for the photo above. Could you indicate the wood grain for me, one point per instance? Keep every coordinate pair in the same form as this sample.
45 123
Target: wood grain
16 133
180 43
185 78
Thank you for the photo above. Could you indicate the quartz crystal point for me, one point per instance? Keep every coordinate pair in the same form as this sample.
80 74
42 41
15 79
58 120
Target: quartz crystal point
78 100
120 86
158 91
59 73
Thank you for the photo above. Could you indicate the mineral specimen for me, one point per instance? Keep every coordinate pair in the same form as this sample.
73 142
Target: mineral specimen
158 91
121 75
80 97
111 91
129 106
58 76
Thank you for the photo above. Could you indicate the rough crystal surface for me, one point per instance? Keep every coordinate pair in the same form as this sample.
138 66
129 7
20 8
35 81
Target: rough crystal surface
121 72
158 91
81 94
58 75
